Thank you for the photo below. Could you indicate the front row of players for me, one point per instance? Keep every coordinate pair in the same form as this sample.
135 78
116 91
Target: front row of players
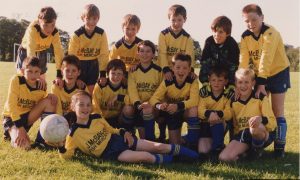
171 101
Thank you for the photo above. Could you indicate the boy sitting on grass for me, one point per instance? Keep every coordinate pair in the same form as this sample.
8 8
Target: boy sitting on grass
111 99
213 112
253 120
178 98
70 69
94 136
142 84
25 104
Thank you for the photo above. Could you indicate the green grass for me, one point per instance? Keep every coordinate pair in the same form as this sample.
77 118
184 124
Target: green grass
35 164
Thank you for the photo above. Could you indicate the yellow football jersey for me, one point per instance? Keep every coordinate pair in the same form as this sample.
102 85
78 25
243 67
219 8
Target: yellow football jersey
90 47
103 94
265 53
242 111
35 41
91 138
170 43
210 103
127 53
21 99
142 83
64 97
185 96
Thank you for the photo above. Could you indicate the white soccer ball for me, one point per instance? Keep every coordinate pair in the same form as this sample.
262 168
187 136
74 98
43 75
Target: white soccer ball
54 128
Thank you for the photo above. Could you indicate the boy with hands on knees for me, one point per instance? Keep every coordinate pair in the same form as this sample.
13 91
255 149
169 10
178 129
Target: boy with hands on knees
142 83
213 112
253 120
178 98
111 100
25 103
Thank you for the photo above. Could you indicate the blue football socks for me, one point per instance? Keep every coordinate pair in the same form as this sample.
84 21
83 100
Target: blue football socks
180 150
280 138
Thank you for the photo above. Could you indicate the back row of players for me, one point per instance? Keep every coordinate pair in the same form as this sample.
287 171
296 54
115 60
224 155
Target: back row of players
167 91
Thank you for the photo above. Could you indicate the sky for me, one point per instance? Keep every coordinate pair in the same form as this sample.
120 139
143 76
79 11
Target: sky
284 15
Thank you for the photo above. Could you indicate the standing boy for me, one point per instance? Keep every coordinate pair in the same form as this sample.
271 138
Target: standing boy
174 39
178 97
89 44
38 38
126 48
25 103
142 84
220 49
262 48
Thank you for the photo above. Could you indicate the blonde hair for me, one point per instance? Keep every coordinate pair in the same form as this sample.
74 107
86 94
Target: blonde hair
131 19
242 72
90 10
74 98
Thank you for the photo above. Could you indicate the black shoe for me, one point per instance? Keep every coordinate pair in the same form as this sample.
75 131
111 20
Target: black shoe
255 153
279 153
6 136
42 146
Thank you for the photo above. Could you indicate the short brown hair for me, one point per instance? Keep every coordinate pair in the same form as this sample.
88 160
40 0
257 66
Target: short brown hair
47 14
176 10
131 19
71 59
116 64
222 22
147 43
182 57
31 61
90 10
252 8
219 71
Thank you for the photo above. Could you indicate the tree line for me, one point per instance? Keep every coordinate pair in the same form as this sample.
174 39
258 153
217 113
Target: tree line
12 31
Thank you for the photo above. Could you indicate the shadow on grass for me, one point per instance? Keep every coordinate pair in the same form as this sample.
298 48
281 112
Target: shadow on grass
279 168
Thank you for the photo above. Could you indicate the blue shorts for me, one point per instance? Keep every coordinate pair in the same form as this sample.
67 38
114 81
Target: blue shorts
42 55
89 71
116 146
174 121
244 136
205 130
280 82
8 123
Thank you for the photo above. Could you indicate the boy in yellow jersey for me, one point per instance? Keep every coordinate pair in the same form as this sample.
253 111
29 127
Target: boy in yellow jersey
253 120
174 39
142 83
220 49
262 48
89 44
213 112
38 38
25 103
70 70
111 100
126 48
178 97
95 137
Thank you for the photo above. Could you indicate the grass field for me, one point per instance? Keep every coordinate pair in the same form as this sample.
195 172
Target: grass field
34 164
